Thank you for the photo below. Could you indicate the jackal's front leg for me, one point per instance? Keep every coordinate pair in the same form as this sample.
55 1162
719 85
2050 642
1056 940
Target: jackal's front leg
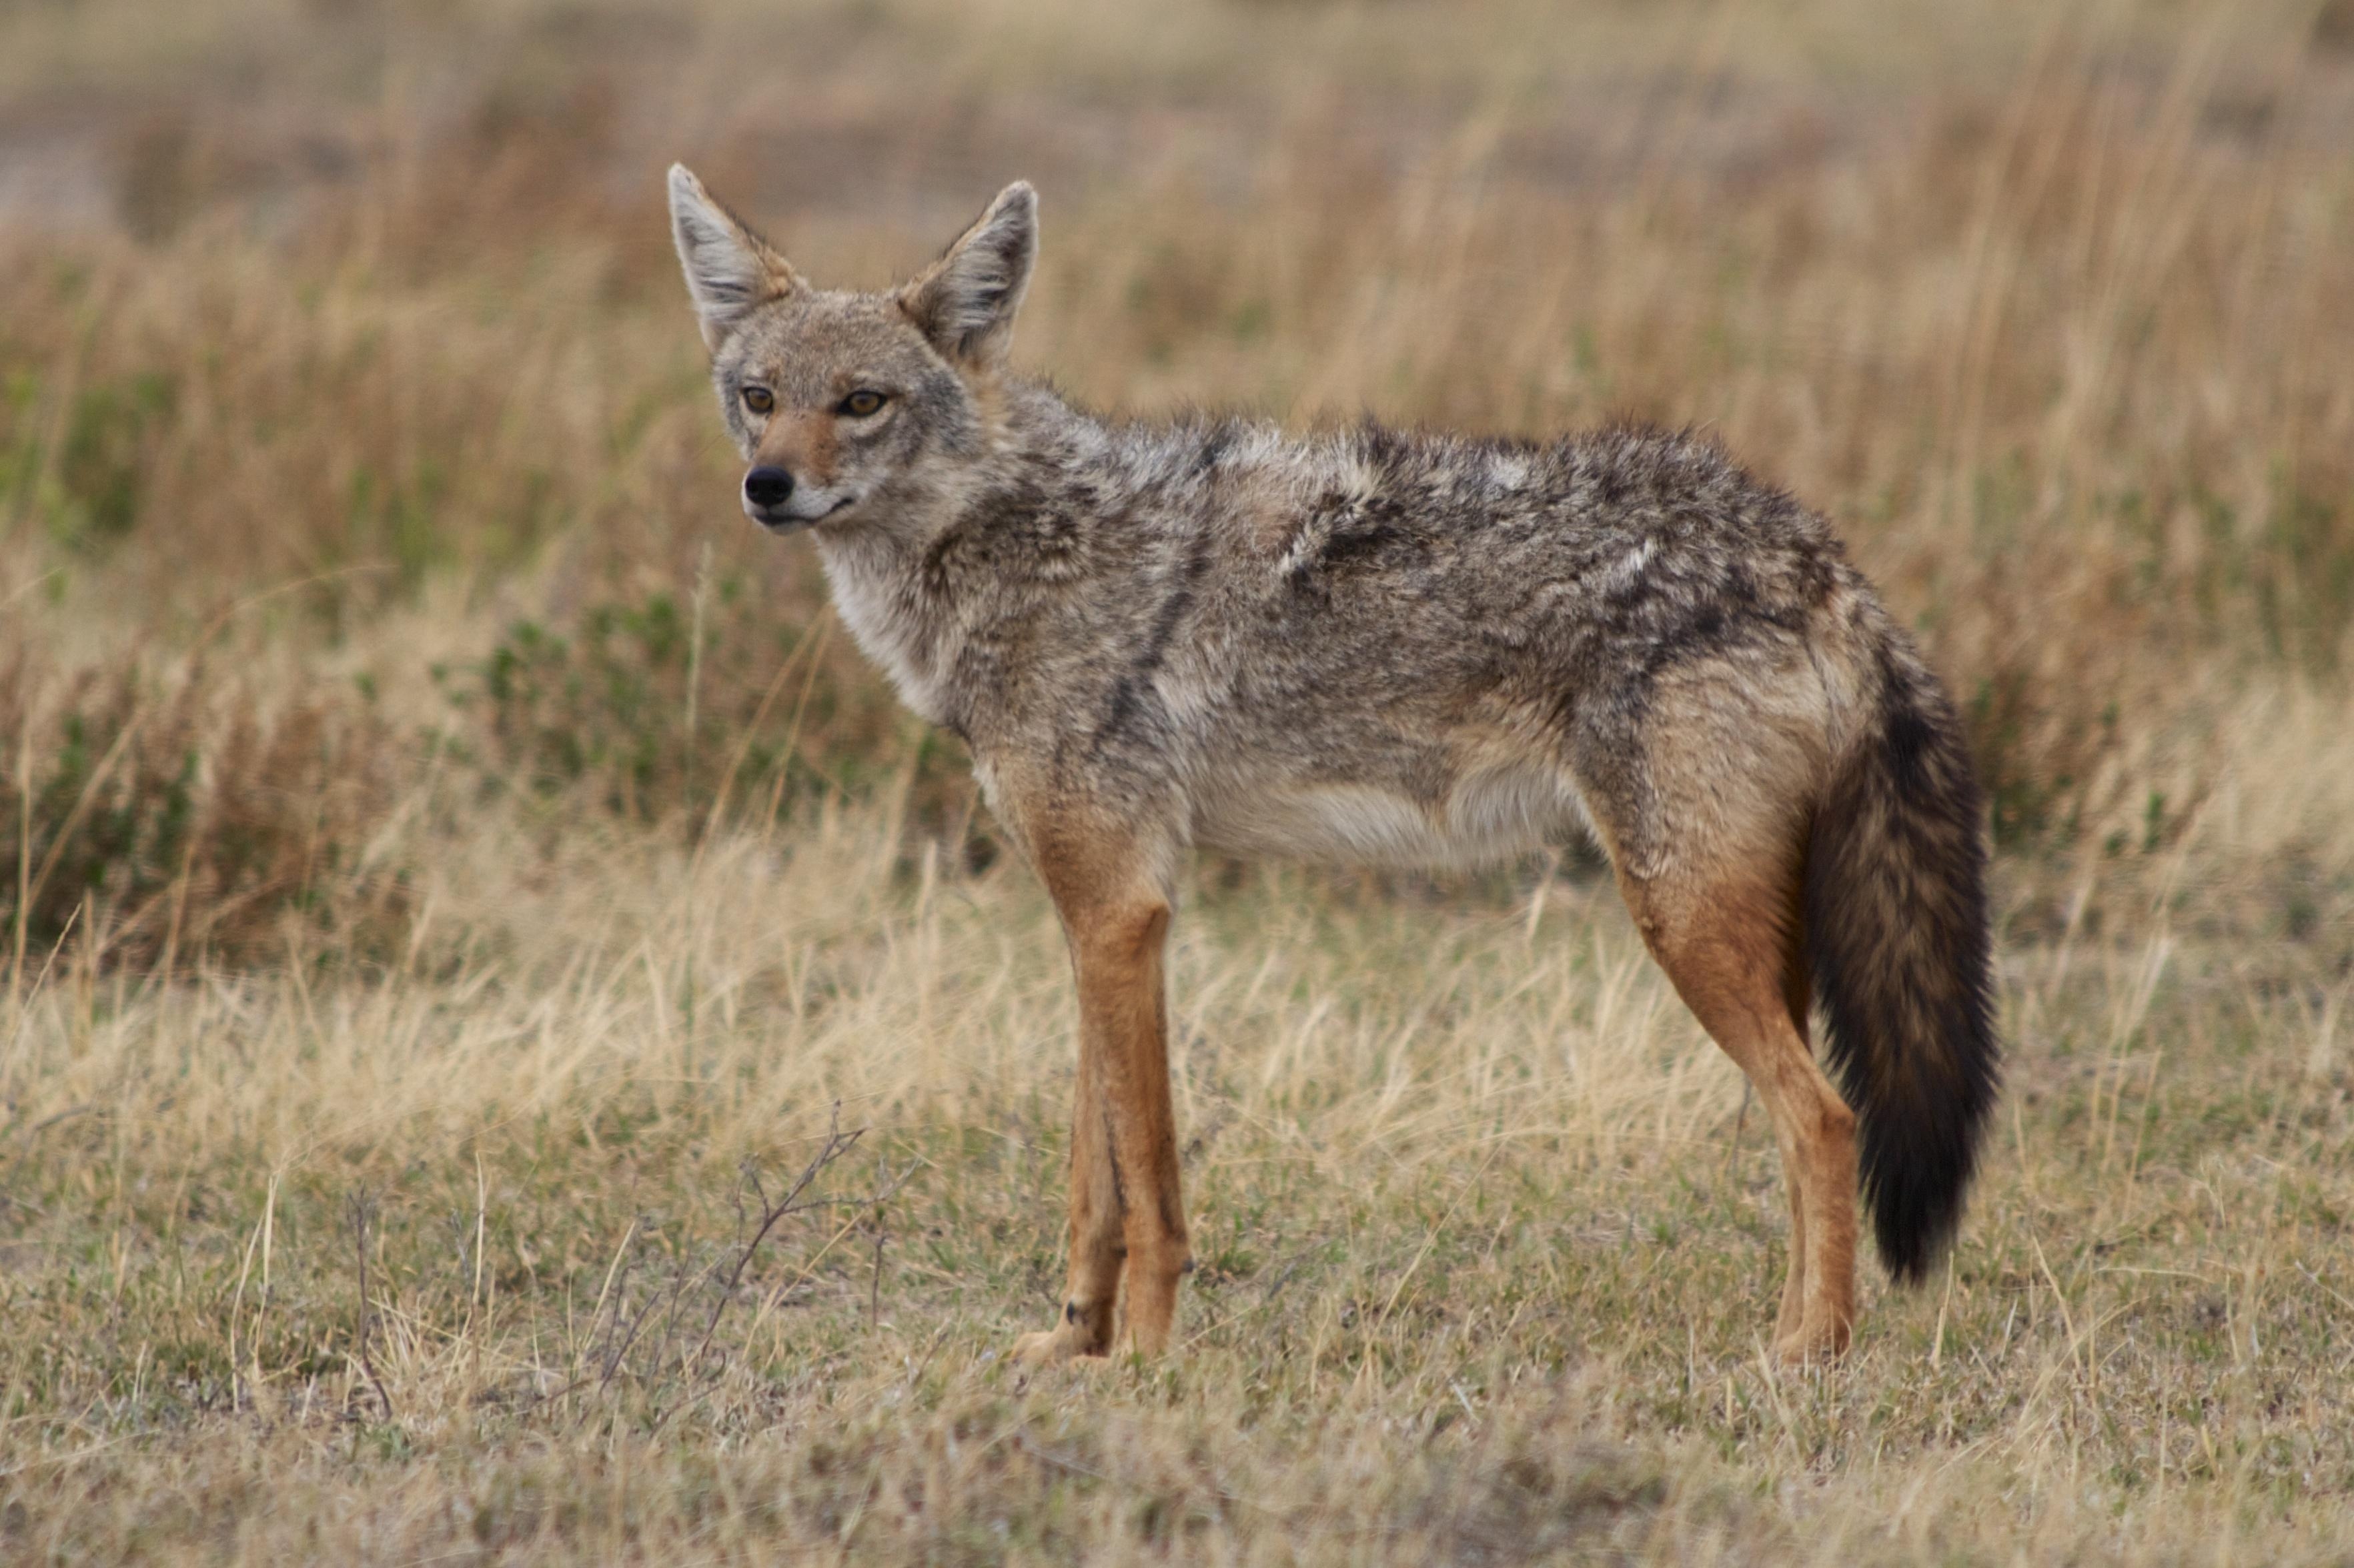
1127 1215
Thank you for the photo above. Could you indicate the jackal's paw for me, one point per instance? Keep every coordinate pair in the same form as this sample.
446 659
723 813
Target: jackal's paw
1818 1347
1053 1347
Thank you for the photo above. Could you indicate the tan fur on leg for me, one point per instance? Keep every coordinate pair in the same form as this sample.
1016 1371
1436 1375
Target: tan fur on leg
1096 1242
1121 990
1127 1209
1790 1322
1726 949
1796 997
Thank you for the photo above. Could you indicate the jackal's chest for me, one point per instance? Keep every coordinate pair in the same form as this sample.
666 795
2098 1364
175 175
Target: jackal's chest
1488 816
871 594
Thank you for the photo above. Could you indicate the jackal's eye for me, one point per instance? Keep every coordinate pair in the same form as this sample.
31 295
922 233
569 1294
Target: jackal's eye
862 404
759 399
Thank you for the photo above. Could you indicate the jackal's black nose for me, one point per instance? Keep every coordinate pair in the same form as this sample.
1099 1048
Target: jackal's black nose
767 487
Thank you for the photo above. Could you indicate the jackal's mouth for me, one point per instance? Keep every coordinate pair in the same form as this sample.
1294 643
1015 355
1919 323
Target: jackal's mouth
782 520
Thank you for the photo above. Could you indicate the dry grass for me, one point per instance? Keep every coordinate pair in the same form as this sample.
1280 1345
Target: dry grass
1487 1244
433 833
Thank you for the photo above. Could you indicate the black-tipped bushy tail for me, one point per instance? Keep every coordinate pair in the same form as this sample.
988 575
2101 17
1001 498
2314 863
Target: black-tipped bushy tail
1896 932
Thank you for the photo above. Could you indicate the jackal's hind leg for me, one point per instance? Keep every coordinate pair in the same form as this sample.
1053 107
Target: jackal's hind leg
1725 943
1788 1324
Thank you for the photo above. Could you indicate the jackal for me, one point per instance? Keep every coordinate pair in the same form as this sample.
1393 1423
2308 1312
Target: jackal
1388 647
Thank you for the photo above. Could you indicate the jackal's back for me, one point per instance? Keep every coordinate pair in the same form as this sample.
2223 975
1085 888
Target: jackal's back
1403 635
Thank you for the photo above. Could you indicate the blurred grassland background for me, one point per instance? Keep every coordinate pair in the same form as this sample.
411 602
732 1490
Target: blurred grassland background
450 869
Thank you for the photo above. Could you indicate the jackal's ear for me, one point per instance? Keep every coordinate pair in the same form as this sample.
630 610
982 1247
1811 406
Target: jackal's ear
965 301
729 269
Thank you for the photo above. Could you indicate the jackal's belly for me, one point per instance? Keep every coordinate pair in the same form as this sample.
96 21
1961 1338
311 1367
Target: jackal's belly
1487 817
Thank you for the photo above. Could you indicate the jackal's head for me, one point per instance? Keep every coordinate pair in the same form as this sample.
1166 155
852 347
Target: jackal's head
839 400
